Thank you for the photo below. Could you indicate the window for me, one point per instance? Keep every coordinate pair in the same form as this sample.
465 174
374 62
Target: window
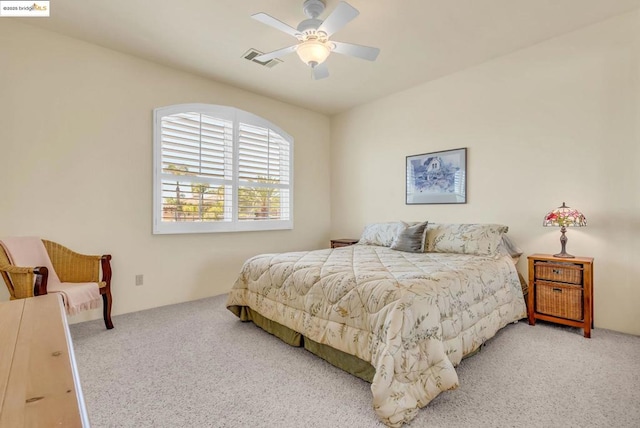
220 169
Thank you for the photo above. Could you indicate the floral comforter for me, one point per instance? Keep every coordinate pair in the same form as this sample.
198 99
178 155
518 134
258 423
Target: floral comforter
413 316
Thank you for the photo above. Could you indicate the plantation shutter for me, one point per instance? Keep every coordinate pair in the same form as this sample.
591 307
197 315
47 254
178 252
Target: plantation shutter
197 167
263 174
198 144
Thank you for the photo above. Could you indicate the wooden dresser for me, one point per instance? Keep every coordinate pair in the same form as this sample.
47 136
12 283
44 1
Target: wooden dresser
39 384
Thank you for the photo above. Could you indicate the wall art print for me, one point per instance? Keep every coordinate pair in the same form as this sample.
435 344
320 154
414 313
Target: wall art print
437 178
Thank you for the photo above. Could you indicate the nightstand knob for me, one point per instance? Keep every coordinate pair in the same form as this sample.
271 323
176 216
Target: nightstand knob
557 290
556 271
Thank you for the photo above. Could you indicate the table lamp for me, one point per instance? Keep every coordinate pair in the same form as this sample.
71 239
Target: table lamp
564 217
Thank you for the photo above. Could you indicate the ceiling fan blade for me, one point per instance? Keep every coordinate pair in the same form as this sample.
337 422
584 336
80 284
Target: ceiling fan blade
276 23
341 16
275 54
320 71
364 52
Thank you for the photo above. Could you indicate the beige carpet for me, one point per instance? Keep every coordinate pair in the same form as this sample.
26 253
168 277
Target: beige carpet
195 365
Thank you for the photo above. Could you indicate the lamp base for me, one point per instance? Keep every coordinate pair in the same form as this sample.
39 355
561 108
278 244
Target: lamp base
564 255
563 240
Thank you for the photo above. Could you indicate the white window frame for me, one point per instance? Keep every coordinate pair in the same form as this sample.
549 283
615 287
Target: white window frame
234 225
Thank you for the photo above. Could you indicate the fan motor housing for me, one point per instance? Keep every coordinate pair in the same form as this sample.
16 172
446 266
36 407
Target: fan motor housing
313 8
309 26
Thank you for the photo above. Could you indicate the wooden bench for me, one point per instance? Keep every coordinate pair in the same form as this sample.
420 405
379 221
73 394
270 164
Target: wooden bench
39 383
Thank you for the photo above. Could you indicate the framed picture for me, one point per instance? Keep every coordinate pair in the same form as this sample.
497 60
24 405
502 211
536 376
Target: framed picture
437 178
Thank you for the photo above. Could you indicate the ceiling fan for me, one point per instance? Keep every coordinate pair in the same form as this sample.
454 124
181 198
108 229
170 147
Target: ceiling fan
313 35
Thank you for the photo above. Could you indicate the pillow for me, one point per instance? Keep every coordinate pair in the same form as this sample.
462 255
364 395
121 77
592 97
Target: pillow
411 239
382 234
479 239
509 248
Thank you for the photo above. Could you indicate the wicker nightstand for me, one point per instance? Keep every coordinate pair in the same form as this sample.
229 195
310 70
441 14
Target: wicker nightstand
561 291
336 243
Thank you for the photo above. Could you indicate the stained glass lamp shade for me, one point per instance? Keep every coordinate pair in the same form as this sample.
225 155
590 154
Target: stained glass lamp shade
564 217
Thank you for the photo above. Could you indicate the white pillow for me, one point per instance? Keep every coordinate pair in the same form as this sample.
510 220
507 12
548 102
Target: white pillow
382 234
479 239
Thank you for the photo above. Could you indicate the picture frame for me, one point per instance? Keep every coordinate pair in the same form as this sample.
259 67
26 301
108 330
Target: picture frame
437 177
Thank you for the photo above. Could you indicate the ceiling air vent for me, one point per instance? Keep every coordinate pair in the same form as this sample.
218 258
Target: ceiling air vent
252 53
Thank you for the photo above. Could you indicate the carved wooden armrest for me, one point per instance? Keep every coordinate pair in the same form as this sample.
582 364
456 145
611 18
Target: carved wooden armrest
105 260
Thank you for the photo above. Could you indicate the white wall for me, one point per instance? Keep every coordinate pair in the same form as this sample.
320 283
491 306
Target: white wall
555 122
76 166
559 121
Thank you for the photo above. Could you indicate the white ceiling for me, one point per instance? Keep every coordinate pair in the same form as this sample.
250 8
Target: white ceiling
420 40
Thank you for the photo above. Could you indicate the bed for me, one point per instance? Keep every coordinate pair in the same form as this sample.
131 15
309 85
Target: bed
400 309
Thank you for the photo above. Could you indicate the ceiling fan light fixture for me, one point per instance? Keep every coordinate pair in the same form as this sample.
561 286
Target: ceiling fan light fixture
313 36
313 51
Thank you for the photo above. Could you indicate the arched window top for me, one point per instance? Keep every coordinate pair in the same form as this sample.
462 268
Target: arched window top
227 112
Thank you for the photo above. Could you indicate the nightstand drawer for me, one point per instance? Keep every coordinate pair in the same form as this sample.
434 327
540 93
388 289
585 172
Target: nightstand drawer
345 242
569 272
559 300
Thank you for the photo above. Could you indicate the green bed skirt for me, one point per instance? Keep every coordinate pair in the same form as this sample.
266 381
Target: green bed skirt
342 360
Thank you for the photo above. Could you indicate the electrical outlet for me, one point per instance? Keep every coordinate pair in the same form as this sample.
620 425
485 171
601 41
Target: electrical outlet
139 279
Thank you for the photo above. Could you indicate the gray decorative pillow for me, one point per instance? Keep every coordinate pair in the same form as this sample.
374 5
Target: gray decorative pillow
508 247
411 239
